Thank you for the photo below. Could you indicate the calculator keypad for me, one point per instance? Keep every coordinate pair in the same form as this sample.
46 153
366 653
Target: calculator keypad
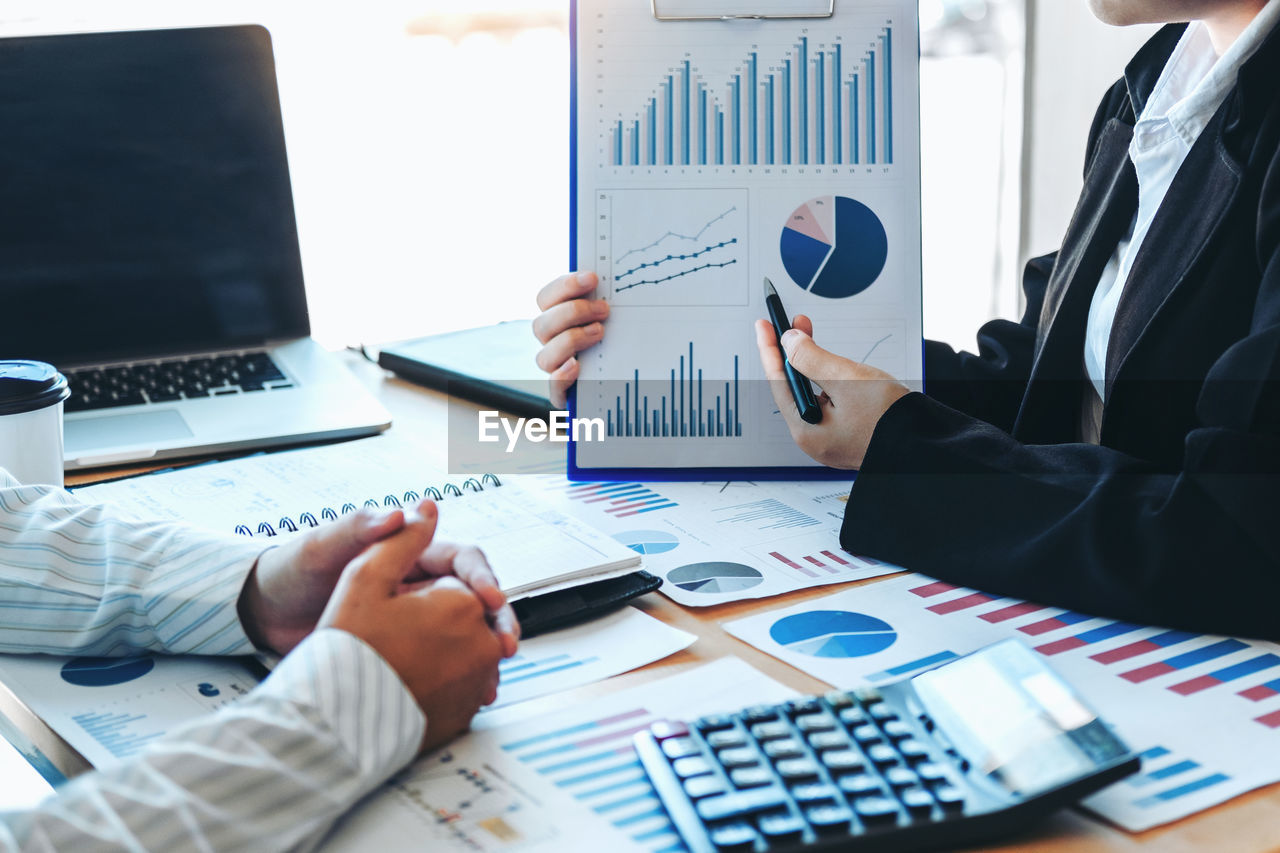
814 768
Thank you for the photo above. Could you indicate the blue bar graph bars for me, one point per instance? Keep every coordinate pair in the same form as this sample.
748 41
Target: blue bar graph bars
822 103
681 407
112 730
895 672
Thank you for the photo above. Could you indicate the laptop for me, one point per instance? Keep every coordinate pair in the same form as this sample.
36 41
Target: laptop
148 247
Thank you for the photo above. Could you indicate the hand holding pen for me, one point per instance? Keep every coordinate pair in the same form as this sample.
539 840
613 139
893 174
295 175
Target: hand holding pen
854 396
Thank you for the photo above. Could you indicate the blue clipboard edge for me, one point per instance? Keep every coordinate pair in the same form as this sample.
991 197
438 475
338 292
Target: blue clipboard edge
576 474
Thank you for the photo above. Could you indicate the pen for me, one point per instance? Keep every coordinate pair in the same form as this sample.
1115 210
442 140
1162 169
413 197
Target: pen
801 390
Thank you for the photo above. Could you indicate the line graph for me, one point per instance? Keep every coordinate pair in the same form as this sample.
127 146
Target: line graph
672 248
690 237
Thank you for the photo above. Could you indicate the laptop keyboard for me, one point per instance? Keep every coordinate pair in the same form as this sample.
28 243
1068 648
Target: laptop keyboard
176 379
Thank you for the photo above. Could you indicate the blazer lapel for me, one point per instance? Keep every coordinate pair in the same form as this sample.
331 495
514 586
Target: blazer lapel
1188 219
1050 407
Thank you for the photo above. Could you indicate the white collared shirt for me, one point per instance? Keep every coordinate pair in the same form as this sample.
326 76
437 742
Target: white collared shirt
1194 83
271 771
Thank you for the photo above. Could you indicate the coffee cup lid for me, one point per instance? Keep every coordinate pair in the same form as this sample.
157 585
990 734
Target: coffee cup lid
26 386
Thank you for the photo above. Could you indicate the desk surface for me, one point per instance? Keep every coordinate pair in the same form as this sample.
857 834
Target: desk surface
1247 823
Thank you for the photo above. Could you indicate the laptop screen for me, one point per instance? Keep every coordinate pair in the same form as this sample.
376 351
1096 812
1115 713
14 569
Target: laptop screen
145 205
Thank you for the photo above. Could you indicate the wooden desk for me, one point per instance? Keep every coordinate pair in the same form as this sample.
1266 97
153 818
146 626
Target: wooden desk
1248 823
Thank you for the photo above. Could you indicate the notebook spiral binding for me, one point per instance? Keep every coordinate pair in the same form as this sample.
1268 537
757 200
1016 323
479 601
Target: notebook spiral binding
308 519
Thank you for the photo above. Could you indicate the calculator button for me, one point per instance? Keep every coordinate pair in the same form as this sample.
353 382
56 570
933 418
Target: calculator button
876 809
770 731
838 699
779 749
867 695
883 754
815 723
664 729
933 774
734 836
796 769
898 729
703 786
680 747
882 712
751 777
842 761
759 714
913 750
807 705
949 797
917 800
901 777
714 723
726 738
927 722
853 717
694 765
867 734
823 741
780 828
740 804
732 758
860 785
829 818
817 792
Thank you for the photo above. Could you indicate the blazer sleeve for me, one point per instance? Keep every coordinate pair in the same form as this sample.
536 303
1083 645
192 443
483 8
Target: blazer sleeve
1090 528
989 385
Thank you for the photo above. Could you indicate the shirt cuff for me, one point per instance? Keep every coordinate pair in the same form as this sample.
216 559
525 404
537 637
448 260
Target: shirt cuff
357 695
194 597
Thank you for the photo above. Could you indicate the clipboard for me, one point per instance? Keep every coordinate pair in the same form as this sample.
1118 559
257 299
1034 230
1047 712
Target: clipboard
750 21
670 10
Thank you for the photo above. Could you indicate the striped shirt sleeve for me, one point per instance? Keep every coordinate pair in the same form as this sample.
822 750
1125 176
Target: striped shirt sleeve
270 772
76 578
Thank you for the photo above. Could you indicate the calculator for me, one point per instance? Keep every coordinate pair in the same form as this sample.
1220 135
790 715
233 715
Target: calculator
973 750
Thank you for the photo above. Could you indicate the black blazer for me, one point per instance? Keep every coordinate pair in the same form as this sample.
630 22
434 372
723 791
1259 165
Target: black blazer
1174 519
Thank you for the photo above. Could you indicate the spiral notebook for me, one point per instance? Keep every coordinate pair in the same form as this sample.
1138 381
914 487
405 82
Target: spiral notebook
533 549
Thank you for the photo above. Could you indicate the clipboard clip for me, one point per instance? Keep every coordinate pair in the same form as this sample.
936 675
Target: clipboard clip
744 16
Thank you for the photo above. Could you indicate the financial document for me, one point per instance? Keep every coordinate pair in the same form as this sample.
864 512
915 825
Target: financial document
564 781
1203 711
709 155
716 542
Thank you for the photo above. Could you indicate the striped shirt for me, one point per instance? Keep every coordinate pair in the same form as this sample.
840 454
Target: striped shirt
270 772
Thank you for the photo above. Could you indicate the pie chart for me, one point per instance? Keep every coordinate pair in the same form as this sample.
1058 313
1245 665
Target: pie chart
648 541
834 246
833 633
715 577
105 672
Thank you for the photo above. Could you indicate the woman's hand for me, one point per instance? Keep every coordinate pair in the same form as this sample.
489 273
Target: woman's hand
568 324
853 397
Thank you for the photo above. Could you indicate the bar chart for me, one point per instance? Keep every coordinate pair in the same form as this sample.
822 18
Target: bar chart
812 102
684 404
620 500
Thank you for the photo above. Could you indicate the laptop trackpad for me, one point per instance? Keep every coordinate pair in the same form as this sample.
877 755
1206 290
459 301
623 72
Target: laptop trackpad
124 430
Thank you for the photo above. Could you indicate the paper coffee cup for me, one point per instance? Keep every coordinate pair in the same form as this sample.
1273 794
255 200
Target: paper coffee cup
31 398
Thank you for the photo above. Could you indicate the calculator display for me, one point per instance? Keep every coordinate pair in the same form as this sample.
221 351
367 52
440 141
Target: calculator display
1015 719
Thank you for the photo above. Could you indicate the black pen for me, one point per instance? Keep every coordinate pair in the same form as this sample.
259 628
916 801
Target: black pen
801 390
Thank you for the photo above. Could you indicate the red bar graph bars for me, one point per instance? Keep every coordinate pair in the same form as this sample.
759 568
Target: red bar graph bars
931 589
1183 661
964 602
1262 691
1222 676
1013 611
1142 647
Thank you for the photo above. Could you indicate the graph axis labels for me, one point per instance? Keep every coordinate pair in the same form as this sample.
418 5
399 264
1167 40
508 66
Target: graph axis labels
834 246
668 247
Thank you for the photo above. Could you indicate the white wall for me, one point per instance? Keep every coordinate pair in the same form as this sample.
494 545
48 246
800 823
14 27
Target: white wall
1072 59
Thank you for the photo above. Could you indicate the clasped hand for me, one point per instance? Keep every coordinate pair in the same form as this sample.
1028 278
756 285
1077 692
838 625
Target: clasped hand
431 609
